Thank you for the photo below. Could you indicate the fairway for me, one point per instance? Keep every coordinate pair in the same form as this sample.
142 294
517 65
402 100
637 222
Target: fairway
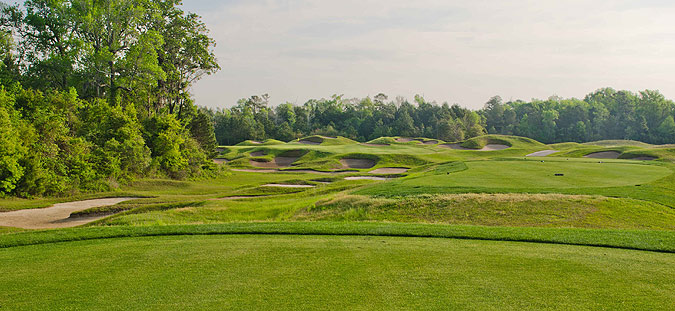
541 174
330 272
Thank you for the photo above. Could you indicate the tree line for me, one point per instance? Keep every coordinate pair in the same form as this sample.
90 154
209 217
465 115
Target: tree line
359 119
646 116
96 93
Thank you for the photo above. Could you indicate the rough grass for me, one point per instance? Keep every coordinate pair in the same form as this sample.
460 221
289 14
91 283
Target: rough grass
519 210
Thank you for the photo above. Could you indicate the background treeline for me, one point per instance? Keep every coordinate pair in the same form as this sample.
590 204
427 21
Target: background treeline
358 119
603 114
93 93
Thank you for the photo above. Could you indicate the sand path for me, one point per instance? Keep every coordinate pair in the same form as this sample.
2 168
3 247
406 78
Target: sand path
56 216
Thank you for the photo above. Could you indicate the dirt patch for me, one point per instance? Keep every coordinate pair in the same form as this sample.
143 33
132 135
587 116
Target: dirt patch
389 170
258 153
289 186
542 153
604 155
56 216
220 161
357 163
488 147
404 140
366 178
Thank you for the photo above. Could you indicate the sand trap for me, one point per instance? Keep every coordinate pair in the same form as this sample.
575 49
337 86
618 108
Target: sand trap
644 158
275 163
309 142
542 153
389 170
604 155
258 154
430 142
357 163
404 140
220 161
56 216
488 147
366 178
256 142
289 186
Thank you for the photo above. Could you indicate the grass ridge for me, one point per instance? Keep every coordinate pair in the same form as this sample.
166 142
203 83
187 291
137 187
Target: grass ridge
642 240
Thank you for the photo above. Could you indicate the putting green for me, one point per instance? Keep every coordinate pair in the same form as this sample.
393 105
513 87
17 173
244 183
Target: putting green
541 174
330 272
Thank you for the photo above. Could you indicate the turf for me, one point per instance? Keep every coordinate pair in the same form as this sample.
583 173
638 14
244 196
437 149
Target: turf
331 272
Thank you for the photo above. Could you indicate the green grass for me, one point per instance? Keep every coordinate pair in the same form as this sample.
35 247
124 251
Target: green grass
521 210
331 272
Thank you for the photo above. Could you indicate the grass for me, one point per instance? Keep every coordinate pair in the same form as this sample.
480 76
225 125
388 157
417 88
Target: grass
519 210
331 272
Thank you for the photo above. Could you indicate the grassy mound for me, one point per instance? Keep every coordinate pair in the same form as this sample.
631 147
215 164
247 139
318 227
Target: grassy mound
618 143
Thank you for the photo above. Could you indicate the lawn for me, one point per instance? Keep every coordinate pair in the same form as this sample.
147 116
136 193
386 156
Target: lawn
282 272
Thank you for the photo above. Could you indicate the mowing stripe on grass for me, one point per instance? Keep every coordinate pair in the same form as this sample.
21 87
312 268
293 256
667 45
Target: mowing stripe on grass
644 240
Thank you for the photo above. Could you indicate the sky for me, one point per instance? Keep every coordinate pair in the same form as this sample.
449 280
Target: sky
460 52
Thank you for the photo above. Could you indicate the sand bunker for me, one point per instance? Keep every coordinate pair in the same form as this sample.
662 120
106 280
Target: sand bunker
275 163
309 142
430 142
389 170
357 163
56 216
488 147
289 186
644 158
604 155
366 178
258 154
542 153
255 142
220 161
404 140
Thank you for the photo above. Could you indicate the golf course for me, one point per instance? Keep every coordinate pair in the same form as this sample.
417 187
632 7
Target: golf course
493 222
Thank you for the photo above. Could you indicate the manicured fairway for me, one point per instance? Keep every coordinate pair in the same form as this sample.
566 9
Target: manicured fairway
248 272
541 174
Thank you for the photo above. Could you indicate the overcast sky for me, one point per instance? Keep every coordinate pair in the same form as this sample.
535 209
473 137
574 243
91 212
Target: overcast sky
456 51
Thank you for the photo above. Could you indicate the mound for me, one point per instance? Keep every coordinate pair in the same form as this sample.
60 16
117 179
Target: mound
374 145
604 155
309 142
389 170
357 163
617 143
